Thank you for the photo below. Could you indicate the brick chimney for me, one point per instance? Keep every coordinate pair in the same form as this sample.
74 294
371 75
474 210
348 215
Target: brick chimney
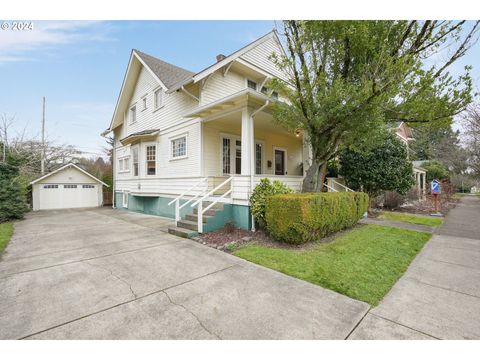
220 57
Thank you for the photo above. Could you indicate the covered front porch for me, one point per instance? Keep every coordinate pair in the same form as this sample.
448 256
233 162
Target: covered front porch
240 139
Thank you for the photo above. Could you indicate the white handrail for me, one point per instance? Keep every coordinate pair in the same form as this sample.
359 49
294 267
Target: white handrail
212 191
217 200
330 188
199 202
343 186
185 192
177 199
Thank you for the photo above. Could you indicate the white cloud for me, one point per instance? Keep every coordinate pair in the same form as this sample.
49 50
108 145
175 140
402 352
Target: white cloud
20 45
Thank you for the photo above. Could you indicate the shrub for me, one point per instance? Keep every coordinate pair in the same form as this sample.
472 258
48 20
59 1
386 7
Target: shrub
264 189
299 218
12 195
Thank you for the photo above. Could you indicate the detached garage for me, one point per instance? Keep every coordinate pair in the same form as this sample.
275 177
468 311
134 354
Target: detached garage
65 188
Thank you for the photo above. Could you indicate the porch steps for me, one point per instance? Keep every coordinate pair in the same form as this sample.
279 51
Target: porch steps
187 228
182 232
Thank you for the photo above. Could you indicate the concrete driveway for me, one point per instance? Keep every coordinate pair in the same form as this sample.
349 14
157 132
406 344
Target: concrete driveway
110 274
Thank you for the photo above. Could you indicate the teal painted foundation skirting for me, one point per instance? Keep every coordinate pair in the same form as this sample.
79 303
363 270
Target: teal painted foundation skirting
239 215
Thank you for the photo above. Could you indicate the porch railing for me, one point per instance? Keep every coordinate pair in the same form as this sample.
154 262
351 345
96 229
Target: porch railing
178 207
199 202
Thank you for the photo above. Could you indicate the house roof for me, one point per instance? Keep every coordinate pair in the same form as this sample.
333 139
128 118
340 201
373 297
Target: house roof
214 67
172 77
169 74
141 134
64 167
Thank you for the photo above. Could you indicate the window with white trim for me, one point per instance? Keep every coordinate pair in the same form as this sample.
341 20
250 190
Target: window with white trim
124 164
150 152
157 99
179 147
252 84
144 103
133 114
135 161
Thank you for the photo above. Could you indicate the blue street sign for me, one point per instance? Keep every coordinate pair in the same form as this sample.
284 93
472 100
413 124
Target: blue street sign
435 187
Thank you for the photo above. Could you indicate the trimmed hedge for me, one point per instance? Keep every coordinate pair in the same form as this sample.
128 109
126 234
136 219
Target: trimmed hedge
299 218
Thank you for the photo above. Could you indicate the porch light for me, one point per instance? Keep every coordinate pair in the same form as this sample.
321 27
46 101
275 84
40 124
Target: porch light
297 133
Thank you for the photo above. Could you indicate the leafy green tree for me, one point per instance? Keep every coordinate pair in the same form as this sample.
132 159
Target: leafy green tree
435 170
346 79
378 169
442 144
12 195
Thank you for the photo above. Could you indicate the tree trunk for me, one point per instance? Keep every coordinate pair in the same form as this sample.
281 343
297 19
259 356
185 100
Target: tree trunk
315 177
321 177
311 177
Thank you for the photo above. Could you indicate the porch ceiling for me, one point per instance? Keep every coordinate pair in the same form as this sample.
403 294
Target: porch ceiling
262 121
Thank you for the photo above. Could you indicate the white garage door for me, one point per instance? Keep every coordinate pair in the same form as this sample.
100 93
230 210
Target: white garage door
66 196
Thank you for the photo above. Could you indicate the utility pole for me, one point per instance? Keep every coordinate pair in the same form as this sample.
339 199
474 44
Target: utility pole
43 138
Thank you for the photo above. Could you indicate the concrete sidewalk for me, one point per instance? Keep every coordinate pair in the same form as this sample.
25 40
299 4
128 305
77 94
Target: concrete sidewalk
439 295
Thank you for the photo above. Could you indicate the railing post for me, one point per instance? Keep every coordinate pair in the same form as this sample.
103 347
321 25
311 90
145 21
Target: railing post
177 211
200 217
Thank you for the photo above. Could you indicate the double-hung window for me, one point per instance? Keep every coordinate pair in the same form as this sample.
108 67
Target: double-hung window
133 114
157 99
179 147
135 161
252 84
151 159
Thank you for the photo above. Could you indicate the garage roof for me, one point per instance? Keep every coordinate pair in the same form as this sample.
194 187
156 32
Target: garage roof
67 166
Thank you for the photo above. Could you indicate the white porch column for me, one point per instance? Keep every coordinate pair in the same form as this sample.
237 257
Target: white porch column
424 183
247 142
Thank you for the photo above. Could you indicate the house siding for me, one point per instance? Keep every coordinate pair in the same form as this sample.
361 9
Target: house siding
219 86
260 56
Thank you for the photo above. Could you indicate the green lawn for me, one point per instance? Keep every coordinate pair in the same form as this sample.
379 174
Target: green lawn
412 219
363 263
6 231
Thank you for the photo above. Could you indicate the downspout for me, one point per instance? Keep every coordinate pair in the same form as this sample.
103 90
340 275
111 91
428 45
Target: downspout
252 152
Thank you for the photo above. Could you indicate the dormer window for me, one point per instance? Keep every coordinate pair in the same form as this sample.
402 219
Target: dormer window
252 85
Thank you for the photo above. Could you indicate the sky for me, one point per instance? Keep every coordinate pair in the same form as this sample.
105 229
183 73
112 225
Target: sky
79 67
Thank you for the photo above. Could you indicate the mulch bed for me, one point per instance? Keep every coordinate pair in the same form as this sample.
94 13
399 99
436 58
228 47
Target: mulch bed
229 240
425 207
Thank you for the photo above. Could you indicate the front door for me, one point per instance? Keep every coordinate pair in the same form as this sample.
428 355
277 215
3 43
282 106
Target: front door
279 162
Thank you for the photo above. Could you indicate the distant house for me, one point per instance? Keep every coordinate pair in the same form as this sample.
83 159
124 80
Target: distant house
203 139
404 133
67 187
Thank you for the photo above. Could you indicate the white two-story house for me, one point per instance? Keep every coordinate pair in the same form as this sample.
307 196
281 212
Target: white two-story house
192 146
